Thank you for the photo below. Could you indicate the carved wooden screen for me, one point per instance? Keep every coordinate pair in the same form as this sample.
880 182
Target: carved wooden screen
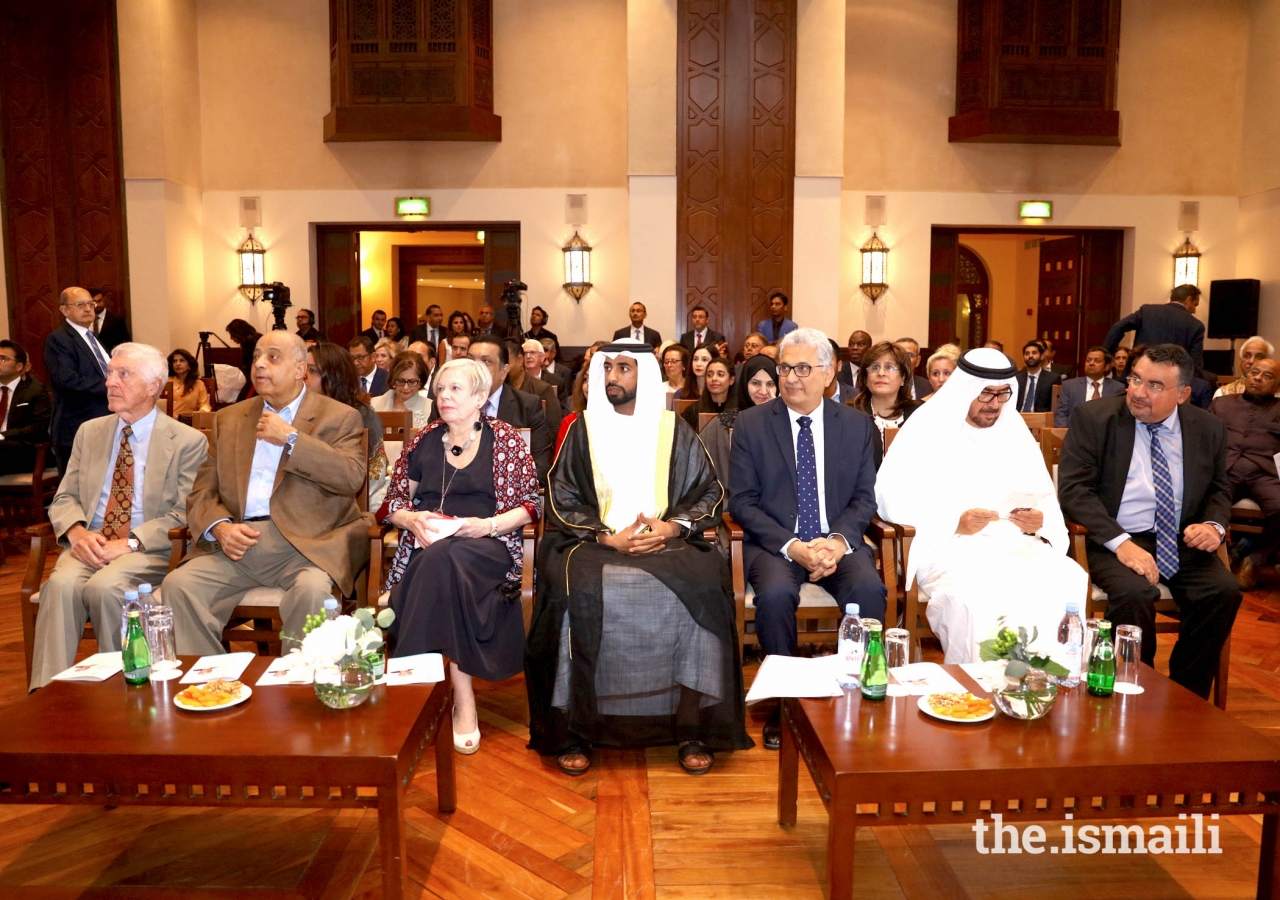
63 193
1037 71
974 285
1058 297
411 70
735 161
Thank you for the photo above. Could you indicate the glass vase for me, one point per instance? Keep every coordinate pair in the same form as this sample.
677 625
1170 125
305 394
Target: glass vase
345 685
1029 698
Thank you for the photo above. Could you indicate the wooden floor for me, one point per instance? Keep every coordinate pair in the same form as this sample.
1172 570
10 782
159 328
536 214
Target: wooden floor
634 827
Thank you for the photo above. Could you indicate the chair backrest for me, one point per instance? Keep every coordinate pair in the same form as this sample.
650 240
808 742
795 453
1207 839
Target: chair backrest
704 419
1224 380
364 454
889 435
166 398
527 435
211 386
1057 392
1051 446
680 406
1037 421
202 421
396 425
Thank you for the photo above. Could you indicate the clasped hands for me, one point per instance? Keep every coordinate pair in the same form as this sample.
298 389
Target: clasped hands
92 547
1198 535
819 557
974 520
631 542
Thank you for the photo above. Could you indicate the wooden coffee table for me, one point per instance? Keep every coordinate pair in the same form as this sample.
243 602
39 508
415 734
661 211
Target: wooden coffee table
94 743
1164 752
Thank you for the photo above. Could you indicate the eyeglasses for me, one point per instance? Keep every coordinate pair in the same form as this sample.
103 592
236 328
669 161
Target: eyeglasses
1153 387
407 382
802 370
82 304
885 369
8 359
1001 395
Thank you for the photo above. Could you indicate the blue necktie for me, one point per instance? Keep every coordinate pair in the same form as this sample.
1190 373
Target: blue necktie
96 348
1166 523
807 483
1029 403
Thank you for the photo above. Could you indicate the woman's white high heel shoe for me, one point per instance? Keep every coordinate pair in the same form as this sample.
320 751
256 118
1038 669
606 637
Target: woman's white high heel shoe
468 743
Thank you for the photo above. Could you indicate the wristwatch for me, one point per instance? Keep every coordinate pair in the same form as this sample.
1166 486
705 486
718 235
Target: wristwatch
1222 532
493 528
134 544
290 441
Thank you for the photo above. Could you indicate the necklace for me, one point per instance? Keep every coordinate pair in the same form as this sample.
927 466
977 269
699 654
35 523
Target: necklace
458 451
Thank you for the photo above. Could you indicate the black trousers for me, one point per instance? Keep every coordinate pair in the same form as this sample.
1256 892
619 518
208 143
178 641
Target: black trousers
1207 598
777 583
1248 479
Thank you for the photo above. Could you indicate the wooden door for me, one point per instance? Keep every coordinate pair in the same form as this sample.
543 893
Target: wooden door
1058 307
943 252
411 257
1102 257
502 264
972 282
338 253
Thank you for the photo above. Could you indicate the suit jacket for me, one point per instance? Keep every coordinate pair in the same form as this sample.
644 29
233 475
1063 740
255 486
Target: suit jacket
315 502
1253 429
1161 323
79 386
372 334
1063 372
559 382
763 501
1045 380
419 333
520 409
765 327
712 337
174 456
378 382
922 386
651 337
1075 392
28 425
544 390
114 331
1095 463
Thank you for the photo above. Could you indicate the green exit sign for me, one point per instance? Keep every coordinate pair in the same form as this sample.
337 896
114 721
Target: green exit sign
1035 209
413 206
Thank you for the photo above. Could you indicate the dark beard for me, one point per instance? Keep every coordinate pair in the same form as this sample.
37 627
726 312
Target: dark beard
627 397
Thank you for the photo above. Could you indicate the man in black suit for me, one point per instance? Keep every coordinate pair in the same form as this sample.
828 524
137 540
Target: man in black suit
859 343
307 326
372 380
484 321
429 331
638 331
1146 473
375 332
701 333
802 487
1165 323
920 386
24 411
1035 382
1093 385
110 328
77 365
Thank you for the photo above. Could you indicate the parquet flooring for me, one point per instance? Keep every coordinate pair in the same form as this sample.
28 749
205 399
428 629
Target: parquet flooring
634 828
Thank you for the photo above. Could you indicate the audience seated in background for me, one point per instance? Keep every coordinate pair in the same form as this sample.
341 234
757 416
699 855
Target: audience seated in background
638 330
803 521
521 378
1035 382
459 323
1252 419
940 366
383 353
717 394
752 345
1120 365
1062 370
538 319
109 326
551 363
126 484
859 343
757 384
918 385
427 353
371 380
700 358
701 333
535 358
396 335
332 373
650 617
77 365
777 326
1092 385
484 320
579 395
677 369
990 539
189 393
883 392
460 595
407 380
1252 350
1146 474
377 327
837 389
25 411
274 504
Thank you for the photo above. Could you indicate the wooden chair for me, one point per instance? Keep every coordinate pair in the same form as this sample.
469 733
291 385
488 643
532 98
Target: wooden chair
397 430
1247 517
166 398
679 406
23 495
1053 405
1224 380
1037 422
211 387
704 419
889 435
202 421
1051 440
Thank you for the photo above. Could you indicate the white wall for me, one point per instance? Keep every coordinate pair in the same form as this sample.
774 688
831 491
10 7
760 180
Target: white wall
1151 238
1259 238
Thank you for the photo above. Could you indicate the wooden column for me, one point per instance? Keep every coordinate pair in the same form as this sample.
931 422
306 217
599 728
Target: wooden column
735 161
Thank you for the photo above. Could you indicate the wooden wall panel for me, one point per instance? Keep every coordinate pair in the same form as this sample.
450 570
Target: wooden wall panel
735 160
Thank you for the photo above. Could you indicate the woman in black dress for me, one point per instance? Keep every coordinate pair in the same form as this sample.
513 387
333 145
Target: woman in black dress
470 478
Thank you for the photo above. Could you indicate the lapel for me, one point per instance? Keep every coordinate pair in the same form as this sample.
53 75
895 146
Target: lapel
1126 431
245 441
94 471
832 420
782 434
509 409
81 348
159 454
1192 448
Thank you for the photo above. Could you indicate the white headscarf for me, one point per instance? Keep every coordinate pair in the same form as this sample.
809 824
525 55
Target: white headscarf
630 455
940 465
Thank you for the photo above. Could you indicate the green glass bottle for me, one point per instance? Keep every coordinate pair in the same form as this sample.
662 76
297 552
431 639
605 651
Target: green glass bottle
136 653
875 675
1102 663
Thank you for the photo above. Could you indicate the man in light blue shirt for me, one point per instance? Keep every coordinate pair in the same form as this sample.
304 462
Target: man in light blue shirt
777 326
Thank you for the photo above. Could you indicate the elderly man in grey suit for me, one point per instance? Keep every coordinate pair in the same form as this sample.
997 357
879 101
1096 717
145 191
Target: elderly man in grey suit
125 486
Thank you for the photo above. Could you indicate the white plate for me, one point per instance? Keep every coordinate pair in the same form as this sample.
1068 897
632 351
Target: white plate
925 708
245 693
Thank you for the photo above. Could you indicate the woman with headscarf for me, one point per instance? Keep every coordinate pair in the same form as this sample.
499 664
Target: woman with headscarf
757 384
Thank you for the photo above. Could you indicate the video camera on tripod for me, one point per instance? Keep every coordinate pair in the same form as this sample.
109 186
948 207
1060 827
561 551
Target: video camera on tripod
277 295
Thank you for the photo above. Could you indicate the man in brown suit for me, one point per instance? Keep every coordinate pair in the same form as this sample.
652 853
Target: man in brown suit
274 505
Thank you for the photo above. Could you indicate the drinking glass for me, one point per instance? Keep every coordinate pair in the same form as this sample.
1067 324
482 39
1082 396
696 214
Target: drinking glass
1128 654
164 648
1090 638
897 647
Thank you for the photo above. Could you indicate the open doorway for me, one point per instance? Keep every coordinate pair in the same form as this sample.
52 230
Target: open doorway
1015 285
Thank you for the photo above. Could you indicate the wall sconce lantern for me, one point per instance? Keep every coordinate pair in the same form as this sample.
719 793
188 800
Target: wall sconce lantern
577 267
1186 264
252 277
875 267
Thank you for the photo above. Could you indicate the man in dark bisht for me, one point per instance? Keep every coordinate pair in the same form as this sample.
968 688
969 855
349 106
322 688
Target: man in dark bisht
633 641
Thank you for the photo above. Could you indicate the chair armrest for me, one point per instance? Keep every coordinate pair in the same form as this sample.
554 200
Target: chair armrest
734 529
529 540
178 539
41 537
377 533
1075 528
880 530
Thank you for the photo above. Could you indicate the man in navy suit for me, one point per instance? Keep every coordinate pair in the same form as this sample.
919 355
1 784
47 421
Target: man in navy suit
1093 385
1174 322
638 330
77 365
1035 382
802 487
701 332
372 380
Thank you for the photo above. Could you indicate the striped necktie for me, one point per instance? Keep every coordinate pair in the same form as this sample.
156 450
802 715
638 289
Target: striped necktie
1166 522
1029 402
97 351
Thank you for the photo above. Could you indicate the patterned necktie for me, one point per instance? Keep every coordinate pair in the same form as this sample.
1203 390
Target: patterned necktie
97 351
364 384
1029 402
698 342
1097 391
637 333
807 482
1166 523
119 514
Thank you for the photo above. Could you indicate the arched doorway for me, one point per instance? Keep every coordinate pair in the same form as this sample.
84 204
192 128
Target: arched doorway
973 295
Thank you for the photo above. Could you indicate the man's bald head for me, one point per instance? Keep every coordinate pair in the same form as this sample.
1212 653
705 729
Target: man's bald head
76 306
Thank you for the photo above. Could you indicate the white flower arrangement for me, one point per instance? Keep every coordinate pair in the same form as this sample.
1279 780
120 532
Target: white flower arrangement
346 639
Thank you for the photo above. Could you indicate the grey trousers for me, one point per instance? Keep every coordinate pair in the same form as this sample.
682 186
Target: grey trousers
205 591
76 593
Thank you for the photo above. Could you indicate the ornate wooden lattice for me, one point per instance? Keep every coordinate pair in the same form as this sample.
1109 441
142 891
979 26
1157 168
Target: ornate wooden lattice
1037 71
413 70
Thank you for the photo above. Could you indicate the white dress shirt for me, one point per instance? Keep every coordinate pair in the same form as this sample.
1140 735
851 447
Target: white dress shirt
491 405
140 444
638 333
700 337
1137 512
817 429
1089 387
92 342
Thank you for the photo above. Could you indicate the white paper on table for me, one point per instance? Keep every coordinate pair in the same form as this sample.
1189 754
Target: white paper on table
984 673
98 667
421 668
796 676
227 666
925 678
288 669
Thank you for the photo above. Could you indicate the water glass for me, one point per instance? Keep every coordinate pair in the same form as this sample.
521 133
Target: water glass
1128 654
1090 638
897 647
164 648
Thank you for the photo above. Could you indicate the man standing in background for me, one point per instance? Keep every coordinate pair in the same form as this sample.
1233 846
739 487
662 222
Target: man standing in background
77 365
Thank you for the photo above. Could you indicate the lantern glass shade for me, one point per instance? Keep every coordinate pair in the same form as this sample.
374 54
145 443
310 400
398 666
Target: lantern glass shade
875 267
577 267
252 276
1186 264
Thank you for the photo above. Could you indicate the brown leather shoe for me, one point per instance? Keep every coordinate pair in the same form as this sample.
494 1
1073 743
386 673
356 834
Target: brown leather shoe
1247 574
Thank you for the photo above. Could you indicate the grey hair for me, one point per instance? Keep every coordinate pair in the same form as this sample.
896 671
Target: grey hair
293 344
528 345
151 362
810 337
473 374
1271 350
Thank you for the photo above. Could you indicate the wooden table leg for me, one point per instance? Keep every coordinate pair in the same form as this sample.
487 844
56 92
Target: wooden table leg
391 838
445 789
840 833
788 768
1269 862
